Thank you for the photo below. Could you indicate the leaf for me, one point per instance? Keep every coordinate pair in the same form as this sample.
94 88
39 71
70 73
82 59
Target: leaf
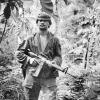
7 11
47 6
3 31
20 3
77 50
2 1
12 5
89 3
66 2
15 6
0 6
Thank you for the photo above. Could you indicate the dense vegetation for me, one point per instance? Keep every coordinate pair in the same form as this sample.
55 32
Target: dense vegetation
77 25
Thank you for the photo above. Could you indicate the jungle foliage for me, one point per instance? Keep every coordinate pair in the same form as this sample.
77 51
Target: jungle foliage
76 23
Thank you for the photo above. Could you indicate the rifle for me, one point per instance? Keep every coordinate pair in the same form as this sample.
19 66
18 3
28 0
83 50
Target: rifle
43 59
38 69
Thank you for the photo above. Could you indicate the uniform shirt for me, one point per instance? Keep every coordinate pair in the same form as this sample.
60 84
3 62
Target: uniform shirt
51 48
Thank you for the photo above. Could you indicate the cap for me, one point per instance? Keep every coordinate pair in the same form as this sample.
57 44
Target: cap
44 16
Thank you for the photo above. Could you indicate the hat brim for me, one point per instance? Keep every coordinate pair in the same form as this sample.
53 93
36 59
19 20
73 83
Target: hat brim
43 19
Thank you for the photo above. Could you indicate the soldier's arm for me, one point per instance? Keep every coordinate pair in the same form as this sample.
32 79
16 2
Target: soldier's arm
57 48
22 51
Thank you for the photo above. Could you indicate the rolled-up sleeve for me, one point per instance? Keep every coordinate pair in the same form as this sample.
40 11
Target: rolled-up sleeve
21 52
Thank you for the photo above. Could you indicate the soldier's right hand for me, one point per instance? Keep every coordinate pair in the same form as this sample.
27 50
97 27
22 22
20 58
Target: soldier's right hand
33 62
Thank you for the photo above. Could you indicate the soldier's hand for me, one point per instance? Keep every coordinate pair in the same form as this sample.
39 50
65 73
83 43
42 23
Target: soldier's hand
33 62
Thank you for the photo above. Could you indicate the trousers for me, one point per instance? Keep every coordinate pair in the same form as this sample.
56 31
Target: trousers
39 89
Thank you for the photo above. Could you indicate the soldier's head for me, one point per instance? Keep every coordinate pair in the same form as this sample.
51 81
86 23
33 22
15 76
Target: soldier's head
43 21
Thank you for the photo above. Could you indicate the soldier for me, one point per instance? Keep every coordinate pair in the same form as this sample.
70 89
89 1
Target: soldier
42 42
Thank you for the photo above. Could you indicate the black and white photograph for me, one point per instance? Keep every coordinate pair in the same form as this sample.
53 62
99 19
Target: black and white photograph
49 49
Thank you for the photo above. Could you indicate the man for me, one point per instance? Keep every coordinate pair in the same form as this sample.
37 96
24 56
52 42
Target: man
45 43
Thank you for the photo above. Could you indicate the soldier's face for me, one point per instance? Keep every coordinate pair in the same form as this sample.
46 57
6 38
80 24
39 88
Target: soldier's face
43 24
